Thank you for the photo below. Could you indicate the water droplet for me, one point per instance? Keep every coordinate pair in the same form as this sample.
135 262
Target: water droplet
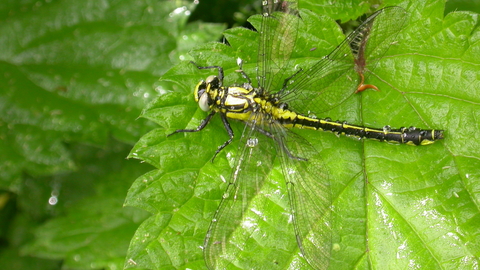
223 179
53 200
252 142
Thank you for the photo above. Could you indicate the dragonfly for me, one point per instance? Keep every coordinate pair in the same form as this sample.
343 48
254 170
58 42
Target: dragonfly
281 102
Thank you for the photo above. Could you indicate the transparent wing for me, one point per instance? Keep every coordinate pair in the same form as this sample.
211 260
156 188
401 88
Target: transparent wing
239 219
235 223
335 77
309 191
278 33
378 32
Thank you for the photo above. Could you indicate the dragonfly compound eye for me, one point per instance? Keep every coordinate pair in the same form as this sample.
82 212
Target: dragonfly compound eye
210 79
203 100
213 81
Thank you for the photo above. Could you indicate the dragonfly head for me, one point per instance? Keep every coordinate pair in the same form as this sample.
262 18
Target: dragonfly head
204 91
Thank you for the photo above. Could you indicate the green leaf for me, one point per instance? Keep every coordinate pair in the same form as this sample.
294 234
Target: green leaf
396 206
75 76
92 229
338 10
81 72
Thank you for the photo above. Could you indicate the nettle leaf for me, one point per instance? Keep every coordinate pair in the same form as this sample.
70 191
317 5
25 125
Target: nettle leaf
91 229
338 10
396 206
75 76
82 72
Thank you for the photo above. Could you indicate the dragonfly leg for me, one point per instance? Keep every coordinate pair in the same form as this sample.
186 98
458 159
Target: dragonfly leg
271 136
226 124
244 75
291 77
290 155
220 70
202 125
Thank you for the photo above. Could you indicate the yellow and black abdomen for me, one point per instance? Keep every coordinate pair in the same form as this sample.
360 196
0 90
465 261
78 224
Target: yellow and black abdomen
239 103
411 135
